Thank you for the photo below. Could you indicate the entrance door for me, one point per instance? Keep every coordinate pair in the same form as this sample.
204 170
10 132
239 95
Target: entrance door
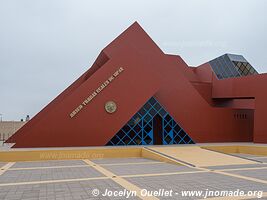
157 130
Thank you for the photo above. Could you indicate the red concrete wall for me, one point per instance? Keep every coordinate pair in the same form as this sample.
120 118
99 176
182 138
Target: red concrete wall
247 87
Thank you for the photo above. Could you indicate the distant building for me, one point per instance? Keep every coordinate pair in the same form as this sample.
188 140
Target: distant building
8 128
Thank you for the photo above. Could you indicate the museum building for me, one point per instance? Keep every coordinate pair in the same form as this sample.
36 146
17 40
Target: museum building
135 94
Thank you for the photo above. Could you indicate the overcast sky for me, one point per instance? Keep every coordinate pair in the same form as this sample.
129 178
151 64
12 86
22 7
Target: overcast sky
46 45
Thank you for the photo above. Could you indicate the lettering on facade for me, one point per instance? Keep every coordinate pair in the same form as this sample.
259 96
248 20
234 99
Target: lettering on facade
96 92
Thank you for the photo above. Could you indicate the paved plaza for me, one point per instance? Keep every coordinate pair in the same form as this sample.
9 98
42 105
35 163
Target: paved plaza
89 179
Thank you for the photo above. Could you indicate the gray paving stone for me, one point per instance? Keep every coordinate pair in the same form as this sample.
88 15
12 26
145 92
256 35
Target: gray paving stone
261 159
50 163
257 173
146 169
2 164
195 181
236 166
13 176
121 160
79 190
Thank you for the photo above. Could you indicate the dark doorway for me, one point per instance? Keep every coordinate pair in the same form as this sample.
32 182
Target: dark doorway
157 129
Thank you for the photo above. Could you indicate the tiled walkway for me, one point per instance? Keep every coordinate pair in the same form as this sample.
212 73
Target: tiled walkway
78 179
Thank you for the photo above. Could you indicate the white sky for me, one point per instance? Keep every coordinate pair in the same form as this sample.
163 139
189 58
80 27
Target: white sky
46 45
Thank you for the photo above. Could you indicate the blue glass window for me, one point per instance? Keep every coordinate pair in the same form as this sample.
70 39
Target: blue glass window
140 129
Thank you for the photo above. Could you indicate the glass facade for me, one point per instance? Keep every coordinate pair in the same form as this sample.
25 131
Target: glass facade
244 68
152 124
230 65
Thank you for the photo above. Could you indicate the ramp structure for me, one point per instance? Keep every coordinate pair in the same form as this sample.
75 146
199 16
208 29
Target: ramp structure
196 156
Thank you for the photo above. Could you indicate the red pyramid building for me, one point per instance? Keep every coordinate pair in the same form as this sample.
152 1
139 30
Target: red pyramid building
136 94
